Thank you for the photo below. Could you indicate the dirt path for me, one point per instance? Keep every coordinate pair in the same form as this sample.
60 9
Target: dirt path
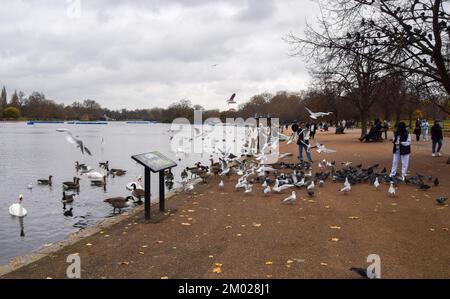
252 236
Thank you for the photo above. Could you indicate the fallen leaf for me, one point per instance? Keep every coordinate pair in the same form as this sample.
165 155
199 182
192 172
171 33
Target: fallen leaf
88 244
335 227
144 246
289 261
141 252
257 224
353 217
211 256
164 277
432 229
323 264
239 235
269 263
327 207
159 242
124 263
335 239
228 227
191 211
218 265
217 270
445 229
186 224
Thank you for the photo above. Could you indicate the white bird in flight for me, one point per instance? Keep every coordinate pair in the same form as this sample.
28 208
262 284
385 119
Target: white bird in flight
315 115
74 140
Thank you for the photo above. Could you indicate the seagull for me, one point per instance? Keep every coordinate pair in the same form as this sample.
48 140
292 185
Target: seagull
376 184
346 183
301 183
267 190
281 188
291 199
391 190
78 142
311 186
231 100
248 188
315 115
322 149
346 189
221 184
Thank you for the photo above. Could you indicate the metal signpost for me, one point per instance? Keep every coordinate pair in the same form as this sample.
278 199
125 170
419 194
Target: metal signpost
154 162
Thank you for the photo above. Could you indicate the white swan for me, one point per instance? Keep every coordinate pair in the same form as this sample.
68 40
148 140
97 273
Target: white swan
17 209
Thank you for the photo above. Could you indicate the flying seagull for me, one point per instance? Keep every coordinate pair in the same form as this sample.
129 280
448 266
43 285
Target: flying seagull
231 100
315 115
78 142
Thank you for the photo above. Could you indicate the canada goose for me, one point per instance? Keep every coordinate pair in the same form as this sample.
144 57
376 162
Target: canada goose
137 193
184 174
46 182
168 175
67 199
17 209
72 185
117 203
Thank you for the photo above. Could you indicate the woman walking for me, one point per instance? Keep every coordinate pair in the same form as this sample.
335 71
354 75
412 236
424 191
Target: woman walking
402 150
425 125
436 139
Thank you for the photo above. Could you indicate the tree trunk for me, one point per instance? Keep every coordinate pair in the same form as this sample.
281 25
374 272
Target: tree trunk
364 117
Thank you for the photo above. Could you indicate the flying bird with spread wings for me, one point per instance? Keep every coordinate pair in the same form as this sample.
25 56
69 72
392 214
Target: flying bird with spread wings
74 140
315 115
231 100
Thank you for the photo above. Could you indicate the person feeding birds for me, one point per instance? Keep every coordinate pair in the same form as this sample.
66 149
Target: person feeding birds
401 150
303 142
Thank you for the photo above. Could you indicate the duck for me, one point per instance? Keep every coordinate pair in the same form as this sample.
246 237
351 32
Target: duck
17 209
72 185
118 172
117 203
104 165
79 166
46 182
67 199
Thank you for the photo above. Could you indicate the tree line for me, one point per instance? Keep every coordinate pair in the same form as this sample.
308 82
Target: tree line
394 101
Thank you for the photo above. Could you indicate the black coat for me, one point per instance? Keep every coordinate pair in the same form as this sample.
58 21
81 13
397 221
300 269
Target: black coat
436 133
404 150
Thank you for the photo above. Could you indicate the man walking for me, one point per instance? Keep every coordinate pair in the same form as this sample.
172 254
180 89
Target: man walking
436 139
303 142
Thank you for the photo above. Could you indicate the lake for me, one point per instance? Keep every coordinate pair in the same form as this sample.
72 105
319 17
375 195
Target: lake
32 152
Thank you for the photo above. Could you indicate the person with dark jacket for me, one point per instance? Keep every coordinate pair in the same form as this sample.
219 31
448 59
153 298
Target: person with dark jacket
303 142
436 139
401 149
417 130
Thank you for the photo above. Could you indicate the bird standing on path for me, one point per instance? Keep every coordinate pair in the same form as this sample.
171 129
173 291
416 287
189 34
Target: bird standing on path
376 184
391 190
291 199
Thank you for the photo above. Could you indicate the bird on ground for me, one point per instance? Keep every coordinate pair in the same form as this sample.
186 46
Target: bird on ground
391 190
311 186
17 209
267 190
315 115
248 188
423 187
346 188
311 193
291 199
436 182
117 203
441 200
30 186
78 142
45 182
221 184
281 188
376 184
184 174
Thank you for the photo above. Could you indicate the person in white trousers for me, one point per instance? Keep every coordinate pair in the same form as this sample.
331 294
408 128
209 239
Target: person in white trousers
425 126
402 150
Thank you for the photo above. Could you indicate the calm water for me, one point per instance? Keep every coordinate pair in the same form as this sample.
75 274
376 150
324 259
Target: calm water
28 153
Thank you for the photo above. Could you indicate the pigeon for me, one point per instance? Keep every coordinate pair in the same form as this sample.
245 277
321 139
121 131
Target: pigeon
423 186
321 183
376 184
391 190
221 184
311 193
436 182
291 199
441 200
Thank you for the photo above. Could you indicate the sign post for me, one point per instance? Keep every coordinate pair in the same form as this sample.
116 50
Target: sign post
154 162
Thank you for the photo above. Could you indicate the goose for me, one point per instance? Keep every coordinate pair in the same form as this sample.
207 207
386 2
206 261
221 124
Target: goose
136 193
104 165
17 209
117 203
79 166
67 199
184 174
72 185
46 182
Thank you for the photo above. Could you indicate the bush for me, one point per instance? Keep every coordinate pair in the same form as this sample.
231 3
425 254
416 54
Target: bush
11 113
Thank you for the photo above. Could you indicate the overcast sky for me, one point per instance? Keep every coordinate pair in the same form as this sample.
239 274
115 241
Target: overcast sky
149 53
